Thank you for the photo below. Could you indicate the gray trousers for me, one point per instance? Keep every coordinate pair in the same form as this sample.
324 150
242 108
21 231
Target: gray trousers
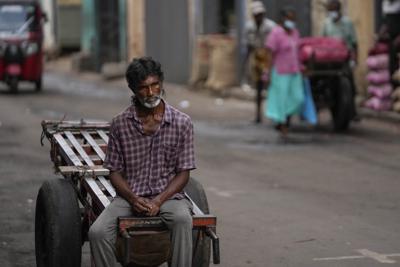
176 214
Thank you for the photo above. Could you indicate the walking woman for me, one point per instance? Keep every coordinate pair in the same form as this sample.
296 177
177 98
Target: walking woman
285 91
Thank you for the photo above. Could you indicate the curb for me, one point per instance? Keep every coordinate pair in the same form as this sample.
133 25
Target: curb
387 116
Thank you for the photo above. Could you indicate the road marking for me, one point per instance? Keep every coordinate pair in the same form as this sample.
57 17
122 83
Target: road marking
365 253
339 258
376 256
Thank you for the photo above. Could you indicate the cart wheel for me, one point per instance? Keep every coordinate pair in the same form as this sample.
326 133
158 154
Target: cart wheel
38 85
201 256
342 109
57 226
13 84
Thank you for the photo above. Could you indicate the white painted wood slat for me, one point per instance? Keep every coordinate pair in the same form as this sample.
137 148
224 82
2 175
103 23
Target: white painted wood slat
107 185
79 148
103 135
94 145
97 191
67 150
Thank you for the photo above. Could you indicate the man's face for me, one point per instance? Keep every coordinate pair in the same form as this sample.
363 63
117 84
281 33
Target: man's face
333 7
148 91
291 16
258 18
334 11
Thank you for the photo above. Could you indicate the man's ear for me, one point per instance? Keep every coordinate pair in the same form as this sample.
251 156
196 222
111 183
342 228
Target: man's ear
132 88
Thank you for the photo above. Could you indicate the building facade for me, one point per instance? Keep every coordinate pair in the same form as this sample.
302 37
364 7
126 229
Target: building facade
115 31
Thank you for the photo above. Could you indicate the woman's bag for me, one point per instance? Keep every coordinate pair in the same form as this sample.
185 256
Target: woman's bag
308 111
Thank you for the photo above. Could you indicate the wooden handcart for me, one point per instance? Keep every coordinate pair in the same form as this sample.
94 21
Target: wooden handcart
67 207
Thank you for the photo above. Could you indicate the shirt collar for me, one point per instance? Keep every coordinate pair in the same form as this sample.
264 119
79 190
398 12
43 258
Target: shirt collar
167 118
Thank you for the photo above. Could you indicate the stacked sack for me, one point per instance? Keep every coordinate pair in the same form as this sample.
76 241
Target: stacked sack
396 93
378 77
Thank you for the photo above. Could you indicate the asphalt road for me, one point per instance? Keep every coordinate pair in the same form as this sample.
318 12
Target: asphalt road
318 199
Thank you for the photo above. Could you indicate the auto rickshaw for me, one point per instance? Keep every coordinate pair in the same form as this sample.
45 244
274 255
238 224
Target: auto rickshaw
21 38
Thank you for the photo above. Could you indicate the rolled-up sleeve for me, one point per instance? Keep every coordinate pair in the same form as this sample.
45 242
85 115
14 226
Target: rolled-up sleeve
186 160
114 160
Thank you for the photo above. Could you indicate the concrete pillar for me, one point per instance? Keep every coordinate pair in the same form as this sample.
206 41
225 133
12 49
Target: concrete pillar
50 27
89 33
318 15
135 28
241 9
362 12
122 30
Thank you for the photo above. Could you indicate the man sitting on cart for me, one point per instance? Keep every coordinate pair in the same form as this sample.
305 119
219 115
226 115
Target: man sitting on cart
150 154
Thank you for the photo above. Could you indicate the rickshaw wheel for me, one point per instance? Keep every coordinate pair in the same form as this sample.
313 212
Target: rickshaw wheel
38 85
342 109
57 226
201 255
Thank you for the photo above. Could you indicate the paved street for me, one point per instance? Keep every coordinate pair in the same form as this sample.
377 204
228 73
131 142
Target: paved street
316 200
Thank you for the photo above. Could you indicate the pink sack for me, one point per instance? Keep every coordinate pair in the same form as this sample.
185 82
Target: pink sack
378 104
379 48
378 77
376 62
382 91
323 50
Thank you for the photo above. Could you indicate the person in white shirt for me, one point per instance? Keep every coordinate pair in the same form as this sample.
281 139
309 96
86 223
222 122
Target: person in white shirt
257 30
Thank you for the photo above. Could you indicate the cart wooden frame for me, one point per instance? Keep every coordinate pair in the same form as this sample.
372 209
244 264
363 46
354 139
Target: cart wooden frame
78 150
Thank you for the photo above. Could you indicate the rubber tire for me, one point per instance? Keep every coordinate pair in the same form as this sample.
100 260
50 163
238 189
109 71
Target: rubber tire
58 241
342 109
202 255
38 85
13 84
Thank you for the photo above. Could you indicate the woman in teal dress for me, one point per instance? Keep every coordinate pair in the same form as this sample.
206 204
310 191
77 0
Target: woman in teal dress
285 91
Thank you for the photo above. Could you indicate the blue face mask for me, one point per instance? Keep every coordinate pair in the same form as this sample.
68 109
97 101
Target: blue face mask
289 24
333 15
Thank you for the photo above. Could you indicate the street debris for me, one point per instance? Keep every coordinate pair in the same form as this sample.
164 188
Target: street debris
219 101
305 240
184 104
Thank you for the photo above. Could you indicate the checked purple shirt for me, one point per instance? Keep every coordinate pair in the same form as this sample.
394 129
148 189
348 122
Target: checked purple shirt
149 162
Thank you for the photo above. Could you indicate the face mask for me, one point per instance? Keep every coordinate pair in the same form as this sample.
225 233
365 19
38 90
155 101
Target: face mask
150 102
333 15
289 24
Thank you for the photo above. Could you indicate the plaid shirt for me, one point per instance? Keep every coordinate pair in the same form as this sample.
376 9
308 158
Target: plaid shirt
149 162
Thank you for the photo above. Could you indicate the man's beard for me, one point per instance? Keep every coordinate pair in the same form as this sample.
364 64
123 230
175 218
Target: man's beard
150 102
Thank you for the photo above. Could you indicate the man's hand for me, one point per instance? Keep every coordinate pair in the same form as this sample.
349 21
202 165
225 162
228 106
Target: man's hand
266 76
154 205
176 185
140 205
148 207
